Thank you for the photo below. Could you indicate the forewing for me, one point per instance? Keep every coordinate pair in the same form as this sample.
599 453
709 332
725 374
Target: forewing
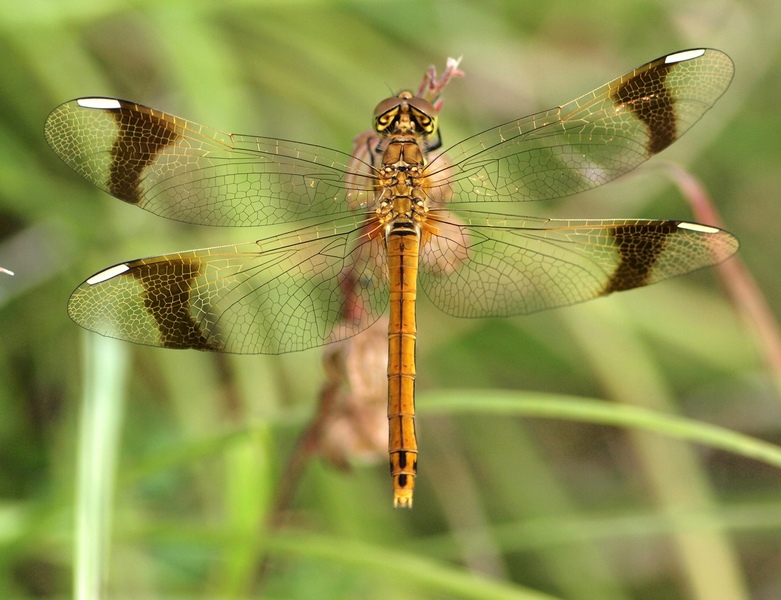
590 140
282 294
181 170
490 265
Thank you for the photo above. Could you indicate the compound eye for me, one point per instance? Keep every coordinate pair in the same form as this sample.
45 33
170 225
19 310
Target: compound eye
387 109
423 107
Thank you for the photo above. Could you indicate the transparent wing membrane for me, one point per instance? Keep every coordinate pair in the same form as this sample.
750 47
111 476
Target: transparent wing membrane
291 292
514 265
590 140
188 172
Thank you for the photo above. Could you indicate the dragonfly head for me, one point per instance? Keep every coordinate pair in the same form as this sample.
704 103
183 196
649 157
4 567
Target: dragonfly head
405 114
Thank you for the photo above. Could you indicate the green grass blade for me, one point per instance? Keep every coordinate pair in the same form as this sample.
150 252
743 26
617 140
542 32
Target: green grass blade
552 406
101 417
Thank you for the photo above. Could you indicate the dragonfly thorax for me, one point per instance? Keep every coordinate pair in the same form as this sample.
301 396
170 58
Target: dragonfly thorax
403 154
401 196
401 179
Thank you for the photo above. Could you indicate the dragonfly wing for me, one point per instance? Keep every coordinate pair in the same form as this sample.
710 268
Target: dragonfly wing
188 172
282 294
590 140
494 265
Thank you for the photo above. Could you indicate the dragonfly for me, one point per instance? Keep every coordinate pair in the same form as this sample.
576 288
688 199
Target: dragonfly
369 233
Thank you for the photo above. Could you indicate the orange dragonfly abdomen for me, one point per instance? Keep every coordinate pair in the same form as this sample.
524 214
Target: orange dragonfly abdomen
403 244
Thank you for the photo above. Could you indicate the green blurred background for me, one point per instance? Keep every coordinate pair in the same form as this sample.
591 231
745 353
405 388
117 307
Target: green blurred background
506 506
